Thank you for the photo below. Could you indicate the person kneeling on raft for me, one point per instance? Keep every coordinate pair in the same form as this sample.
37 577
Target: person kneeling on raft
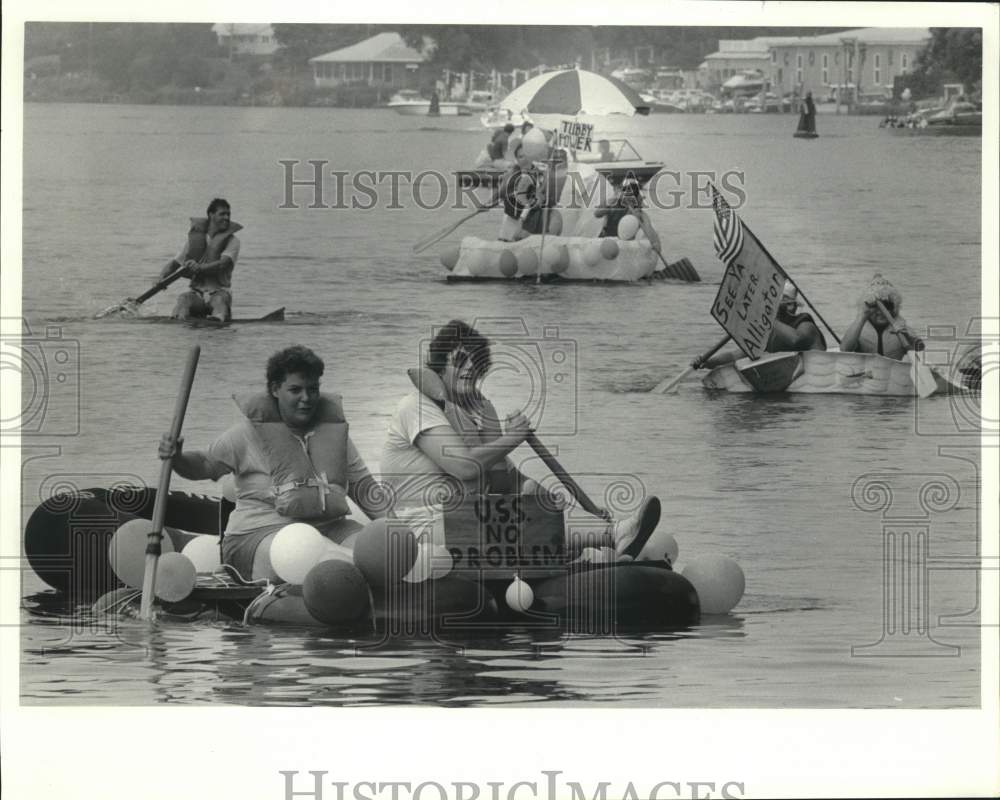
792 333
292 460
628 201
435 451
523 196
872 331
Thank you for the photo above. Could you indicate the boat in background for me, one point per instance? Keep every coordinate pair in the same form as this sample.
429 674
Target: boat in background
411 103
497 117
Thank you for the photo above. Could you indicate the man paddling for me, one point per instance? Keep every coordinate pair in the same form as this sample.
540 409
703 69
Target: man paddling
208 257
792 332
519 192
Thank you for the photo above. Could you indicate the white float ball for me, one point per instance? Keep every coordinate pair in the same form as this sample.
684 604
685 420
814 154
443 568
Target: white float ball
719 582
534 145
519 596
228 486
204 553
661 545
175 577
628 227
592 253
296 549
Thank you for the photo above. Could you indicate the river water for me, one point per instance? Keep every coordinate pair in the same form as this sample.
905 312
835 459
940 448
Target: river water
788 486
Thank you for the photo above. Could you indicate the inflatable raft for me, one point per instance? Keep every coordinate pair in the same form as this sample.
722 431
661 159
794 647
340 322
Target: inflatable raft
567 258
823 372
68 542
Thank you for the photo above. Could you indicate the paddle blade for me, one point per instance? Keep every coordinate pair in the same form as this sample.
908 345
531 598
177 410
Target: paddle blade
924 382
669 385
127 308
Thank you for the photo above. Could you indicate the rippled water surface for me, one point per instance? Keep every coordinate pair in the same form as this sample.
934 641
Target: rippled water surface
767 481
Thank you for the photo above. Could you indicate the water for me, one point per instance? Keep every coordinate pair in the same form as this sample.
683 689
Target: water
767 481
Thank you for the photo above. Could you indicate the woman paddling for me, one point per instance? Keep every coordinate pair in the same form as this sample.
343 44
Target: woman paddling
874 332
292 460
435 451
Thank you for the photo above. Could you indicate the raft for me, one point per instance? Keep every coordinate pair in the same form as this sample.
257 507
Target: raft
566 258
67 538
822 372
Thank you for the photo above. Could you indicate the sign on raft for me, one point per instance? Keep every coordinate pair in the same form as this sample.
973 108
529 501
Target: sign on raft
575 136
748 297
495 535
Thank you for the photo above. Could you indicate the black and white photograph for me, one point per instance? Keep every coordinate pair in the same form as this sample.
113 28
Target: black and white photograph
564 401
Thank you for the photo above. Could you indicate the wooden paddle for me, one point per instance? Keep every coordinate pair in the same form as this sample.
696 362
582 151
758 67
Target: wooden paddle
434 238
924 382
142 298
160 506
430 383
665 385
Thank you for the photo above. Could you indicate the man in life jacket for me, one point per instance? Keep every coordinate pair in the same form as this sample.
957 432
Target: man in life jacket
208 258
438 450
520 192
792 332
872 331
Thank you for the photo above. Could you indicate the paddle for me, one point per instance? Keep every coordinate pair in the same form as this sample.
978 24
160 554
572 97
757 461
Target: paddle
682 270
160 506
434 238
665 385
430 383
142 298
924 383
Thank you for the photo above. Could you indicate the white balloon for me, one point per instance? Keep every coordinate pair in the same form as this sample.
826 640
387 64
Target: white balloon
534 145
175 577
628 227
127 551
519 596
719 582
661 545
296 549
204 553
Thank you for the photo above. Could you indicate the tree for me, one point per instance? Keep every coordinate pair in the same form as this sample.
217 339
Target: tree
954 52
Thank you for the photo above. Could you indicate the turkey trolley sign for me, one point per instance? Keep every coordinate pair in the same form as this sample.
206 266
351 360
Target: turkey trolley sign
748 297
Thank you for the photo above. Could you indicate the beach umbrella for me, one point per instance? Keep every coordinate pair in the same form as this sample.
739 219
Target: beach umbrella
573 92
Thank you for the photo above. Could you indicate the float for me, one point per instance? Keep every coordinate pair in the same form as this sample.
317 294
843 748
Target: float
499 563
827 372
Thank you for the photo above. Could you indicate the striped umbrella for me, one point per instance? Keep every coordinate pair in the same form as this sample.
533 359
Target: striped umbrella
573 92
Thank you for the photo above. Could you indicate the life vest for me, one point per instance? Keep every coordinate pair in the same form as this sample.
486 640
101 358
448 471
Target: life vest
511 206
202 249
476 432
794 320
888 344
308 474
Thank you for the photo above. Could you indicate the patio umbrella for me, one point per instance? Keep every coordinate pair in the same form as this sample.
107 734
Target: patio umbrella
573 92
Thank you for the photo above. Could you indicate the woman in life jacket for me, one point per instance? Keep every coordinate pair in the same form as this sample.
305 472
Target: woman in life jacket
292 461
627 201
872 331
436 451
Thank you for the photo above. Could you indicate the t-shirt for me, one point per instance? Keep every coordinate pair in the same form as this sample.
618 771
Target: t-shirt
237 451
413 477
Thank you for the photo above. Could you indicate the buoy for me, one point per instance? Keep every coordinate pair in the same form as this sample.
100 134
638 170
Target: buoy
508 264
519 596
385 551
592 253
527 261
228 487
628 227
534 145
127 551
609 249
719 582
204 553
298 547
449 257
175 577
335 593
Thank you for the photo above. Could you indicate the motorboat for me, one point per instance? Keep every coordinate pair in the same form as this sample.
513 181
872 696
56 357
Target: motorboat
411 103
745 84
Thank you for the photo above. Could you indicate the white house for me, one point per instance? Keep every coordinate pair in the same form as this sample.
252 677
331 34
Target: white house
383 60
241 38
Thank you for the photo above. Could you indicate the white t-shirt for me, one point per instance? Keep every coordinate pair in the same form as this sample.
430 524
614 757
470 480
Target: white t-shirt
237 451
414 477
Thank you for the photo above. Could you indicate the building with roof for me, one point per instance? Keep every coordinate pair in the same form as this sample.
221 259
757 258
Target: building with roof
384 60
863 61
246 38
735 57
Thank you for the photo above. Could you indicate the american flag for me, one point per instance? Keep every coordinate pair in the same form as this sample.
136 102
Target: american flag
728 229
